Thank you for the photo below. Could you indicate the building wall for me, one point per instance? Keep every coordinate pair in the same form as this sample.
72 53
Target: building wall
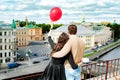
35 34
22 36
89 40
104 37
7 45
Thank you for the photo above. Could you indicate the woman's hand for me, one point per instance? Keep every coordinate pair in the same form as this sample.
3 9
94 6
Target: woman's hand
50 32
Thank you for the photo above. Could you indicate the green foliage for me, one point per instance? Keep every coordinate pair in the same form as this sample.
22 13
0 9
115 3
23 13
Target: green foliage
46 27
22 23
32 22
57 25
103 49
116 29
90 54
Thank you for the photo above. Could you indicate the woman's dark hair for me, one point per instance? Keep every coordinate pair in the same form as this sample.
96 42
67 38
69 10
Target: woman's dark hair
63 38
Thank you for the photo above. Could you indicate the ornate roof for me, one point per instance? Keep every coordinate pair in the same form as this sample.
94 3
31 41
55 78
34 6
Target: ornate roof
13 24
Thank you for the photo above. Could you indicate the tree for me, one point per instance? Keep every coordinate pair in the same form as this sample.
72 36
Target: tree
116 30
46 27
32 22
22 23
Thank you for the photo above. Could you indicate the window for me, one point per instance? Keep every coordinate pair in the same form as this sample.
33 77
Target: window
0 40
5 54
5 46
9 46
1 61
5 40
0 54
0 47
7 60
31 32
0 33
5 33
9 53
37 32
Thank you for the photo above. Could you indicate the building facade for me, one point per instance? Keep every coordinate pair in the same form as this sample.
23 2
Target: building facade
27 33
34 33
7 43
103 35
22 36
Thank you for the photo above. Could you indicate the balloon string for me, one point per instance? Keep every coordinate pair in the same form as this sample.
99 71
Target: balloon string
51 25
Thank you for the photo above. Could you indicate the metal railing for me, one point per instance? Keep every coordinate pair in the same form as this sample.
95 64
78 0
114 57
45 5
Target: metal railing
100 70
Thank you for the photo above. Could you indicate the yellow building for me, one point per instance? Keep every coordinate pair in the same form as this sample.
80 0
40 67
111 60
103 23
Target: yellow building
34 33
22 36
27 33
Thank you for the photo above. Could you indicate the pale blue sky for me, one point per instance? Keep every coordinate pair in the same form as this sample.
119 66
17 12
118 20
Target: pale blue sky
73 10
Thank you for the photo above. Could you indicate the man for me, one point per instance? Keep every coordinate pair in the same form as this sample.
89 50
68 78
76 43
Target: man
76 46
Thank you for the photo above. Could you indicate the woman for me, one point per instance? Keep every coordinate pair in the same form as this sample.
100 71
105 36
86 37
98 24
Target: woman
55 69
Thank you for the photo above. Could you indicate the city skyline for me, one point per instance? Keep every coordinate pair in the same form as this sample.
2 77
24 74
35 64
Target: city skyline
73 10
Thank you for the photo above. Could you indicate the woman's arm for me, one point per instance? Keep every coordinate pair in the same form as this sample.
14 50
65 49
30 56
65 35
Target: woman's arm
51 42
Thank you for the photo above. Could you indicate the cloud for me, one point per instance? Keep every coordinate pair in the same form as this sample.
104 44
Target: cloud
3 7
72 10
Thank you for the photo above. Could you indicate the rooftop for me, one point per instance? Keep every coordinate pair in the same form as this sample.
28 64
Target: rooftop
32 26
81 30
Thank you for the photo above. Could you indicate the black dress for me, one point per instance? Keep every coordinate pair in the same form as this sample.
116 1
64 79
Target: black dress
55 69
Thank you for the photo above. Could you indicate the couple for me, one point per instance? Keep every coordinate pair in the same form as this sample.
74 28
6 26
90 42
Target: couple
66 57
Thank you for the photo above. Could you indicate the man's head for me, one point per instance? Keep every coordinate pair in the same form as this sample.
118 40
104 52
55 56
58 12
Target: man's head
72 29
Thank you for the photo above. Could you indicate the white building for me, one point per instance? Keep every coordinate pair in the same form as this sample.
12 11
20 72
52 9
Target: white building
82 32
103 35
91 34
7 43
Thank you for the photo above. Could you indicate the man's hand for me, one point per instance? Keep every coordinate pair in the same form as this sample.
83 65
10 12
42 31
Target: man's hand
80 64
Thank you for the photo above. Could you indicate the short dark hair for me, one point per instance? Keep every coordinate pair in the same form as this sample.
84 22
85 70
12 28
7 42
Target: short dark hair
72 29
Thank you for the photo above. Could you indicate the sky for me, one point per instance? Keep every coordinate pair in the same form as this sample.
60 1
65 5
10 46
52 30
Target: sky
73 10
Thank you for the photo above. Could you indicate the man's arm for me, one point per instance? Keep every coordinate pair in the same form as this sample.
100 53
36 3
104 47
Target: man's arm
64 51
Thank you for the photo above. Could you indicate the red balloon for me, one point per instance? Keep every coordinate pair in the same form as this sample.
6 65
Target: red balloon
55 13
